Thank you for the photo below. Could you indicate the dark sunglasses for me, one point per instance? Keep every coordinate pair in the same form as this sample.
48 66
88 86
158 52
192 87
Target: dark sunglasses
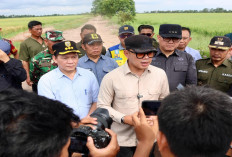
123 36
147 34
150 54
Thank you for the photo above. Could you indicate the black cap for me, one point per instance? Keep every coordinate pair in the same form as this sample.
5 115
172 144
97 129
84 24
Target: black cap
64 47
220 42
139 44
126 29
91 38
170 31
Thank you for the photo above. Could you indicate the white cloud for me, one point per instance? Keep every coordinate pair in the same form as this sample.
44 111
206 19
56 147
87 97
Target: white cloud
44 7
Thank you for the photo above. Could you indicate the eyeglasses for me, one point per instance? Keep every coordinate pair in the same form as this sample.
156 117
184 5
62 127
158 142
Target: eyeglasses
147 34
175 40
142 55
123 36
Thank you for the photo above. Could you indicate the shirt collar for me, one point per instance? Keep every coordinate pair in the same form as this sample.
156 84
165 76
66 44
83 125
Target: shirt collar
128 71
159 52
225 63
60 74
86 58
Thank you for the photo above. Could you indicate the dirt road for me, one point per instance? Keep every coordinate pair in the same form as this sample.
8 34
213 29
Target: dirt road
107 31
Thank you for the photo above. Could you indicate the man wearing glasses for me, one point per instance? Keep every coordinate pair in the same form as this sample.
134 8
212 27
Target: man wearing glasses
183 46
148 30
179 66
117 52
123 89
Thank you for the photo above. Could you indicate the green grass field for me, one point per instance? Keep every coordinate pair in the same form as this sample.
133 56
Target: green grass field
13 26
203 25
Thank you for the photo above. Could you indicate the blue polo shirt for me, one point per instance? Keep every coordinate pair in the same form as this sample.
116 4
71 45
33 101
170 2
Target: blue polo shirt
79 93
103 66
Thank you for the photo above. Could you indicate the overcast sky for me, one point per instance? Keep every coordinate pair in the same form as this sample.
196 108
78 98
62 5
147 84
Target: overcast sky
47 7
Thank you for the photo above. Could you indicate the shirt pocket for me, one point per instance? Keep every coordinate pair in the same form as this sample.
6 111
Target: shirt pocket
181 68
225 82
126 100
108 69
153 94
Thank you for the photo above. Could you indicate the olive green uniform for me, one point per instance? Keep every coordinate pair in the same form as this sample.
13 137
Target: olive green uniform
219 78
82 51
41 64
29 48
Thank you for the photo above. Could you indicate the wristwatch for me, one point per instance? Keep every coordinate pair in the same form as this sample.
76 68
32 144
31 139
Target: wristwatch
122 120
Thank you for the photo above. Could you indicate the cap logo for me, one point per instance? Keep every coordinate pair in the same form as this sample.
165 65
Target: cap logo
68 45
94 36
173 32
126 28
219 42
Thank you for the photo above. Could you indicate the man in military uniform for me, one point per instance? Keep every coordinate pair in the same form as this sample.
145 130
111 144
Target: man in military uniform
148 30
42 62
86 29
216 71
117 52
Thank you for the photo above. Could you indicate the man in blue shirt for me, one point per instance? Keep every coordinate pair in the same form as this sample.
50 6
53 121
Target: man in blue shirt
76 87
99 64
183 45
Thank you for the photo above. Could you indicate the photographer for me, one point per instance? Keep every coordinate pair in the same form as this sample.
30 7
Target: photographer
34 126
193 122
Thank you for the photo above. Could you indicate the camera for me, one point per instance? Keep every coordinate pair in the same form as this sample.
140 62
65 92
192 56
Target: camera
100 137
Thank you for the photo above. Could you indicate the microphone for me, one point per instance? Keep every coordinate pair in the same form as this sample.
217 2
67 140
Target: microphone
139 96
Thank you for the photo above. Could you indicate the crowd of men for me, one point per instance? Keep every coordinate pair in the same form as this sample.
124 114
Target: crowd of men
70 80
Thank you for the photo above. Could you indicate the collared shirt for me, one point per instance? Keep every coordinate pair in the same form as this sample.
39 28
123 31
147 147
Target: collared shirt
12 74
219 78
78 93
103 66
29 48
40 64
83 52
195 53
122 92
179 67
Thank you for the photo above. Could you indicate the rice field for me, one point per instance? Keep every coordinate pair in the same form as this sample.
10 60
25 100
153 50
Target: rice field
203 25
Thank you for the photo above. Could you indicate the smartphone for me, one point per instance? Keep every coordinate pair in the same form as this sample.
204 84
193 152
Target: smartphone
150 107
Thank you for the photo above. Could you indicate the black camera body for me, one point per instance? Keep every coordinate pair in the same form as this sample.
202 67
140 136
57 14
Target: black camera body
100 137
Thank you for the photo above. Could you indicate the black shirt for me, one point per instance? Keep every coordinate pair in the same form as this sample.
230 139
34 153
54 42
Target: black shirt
179 67
12 74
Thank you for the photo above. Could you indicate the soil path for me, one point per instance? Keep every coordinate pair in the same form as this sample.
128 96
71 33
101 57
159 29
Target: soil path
107 31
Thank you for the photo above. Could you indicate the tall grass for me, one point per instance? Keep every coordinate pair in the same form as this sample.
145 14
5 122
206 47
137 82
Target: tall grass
13 26
203 25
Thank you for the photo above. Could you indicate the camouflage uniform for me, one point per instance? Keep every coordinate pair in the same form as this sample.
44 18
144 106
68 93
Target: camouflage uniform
41 64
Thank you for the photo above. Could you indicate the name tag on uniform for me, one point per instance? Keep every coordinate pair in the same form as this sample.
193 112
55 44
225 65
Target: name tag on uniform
227 75
203 71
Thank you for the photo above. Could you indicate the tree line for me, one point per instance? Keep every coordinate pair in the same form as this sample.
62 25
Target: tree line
205 10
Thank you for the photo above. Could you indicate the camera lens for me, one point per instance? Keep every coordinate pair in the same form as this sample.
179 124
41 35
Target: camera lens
103 118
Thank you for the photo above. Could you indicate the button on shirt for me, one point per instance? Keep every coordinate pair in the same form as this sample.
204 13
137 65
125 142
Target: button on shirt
101 68
195 53
122 92
78 93
179 67
219 78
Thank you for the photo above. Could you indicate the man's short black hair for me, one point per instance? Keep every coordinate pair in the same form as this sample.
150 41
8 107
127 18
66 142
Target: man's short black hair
32 125
145 27
89 27
31 24
186 29
197 122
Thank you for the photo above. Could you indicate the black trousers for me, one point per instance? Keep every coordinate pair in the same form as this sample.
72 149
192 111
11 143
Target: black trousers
126 152
34 88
